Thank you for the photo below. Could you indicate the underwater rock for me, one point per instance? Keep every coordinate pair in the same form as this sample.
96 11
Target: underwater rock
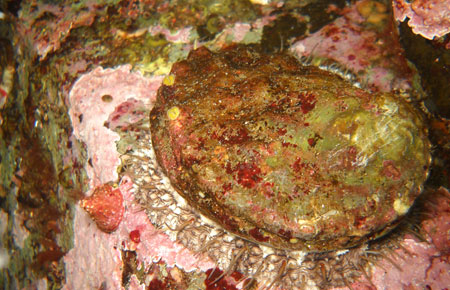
287 155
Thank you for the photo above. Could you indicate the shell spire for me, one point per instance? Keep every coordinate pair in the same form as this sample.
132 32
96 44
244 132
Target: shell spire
105 206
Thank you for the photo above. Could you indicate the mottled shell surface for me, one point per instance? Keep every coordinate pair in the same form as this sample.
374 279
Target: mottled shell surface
105 206
287 155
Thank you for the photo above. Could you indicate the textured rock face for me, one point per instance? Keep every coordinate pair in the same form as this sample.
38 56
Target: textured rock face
284 154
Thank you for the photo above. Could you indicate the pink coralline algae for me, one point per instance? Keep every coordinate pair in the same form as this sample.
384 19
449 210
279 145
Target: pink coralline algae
374 56
102 96
105 206
429 18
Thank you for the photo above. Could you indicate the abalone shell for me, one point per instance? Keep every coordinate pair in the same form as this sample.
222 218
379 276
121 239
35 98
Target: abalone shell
287 155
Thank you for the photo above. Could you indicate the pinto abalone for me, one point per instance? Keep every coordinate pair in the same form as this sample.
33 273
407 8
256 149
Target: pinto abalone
287 155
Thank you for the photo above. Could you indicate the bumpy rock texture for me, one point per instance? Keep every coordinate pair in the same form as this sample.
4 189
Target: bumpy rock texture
287 155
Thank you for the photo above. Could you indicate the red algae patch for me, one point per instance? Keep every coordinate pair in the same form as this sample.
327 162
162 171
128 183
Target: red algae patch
229 133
